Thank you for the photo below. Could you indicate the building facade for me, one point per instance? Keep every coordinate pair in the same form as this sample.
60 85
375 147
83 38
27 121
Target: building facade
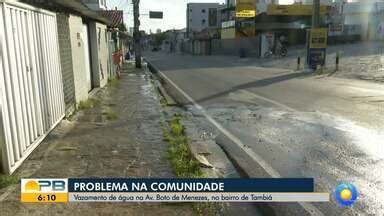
203 16
64 37
367 17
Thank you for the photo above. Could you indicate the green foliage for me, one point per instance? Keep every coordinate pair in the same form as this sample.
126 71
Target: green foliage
6 180
88 104
110 115
122 27
184 164
159 38
211 209
114 83
176 128
179 154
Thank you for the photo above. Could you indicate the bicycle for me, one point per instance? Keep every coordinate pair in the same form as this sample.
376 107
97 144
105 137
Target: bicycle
282 52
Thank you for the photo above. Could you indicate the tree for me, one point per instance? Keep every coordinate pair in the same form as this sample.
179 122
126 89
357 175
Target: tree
159 38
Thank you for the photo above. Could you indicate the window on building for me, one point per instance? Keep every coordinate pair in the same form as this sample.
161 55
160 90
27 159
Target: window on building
212 17
203 11
203 22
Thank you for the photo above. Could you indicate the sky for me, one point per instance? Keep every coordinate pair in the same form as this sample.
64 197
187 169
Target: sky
174 12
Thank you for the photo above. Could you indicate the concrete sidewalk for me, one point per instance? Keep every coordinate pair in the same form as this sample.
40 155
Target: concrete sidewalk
119 137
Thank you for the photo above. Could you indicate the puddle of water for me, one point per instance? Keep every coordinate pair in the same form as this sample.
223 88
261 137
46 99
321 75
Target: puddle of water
367 139
328 148
147 90
336 149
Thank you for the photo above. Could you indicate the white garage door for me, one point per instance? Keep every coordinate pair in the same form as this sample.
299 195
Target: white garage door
31 96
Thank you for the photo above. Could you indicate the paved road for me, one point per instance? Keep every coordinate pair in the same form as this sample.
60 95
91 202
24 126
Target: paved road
289 124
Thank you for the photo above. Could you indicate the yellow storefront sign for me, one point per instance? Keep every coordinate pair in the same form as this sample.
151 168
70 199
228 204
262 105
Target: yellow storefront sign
318 38
245 8
246 13
294 10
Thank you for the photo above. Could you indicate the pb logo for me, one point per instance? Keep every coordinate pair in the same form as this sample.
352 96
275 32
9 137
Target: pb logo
44 185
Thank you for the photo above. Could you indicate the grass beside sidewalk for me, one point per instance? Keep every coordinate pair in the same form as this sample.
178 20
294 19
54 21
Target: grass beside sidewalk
7 180
113 83
89 103
185 165
110 115
179 154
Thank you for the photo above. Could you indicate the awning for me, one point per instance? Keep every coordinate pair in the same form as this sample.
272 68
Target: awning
116 17
275 26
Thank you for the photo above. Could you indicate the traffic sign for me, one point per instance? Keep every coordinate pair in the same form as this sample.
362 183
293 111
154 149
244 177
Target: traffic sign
155 15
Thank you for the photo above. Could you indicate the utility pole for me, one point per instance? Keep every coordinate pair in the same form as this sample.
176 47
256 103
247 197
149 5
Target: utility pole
136 33
316 14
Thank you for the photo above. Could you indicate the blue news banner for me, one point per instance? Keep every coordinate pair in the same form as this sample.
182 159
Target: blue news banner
193 190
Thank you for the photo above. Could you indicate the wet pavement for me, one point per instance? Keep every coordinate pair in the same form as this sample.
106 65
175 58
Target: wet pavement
120 137
293 124
300 144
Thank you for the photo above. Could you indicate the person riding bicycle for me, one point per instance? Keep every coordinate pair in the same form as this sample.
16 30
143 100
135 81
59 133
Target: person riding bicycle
280 42
278 49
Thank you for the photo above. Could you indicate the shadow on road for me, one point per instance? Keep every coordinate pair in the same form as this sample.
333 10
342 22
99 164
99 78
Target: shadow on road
255 84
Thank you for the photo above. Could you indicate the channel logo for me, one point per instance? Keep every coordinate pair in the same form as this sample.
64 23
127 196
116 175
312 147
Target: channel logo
345 194
44 190
44 185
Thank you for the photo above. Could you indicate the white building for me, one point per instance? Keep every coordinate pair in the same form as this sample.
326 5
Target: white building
202 16
366 14
174 41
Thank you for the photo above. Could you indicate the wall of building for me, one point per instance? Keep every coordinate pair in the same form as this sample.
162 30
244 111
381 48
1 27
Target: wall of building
366 15
360 19
230 3
228 33
99 53
251 45
198 16
66 63
78 59
381 26
111 49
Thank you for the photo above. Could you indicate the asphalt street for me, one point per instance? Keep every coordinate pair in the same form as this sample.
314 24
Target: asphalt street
291 124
